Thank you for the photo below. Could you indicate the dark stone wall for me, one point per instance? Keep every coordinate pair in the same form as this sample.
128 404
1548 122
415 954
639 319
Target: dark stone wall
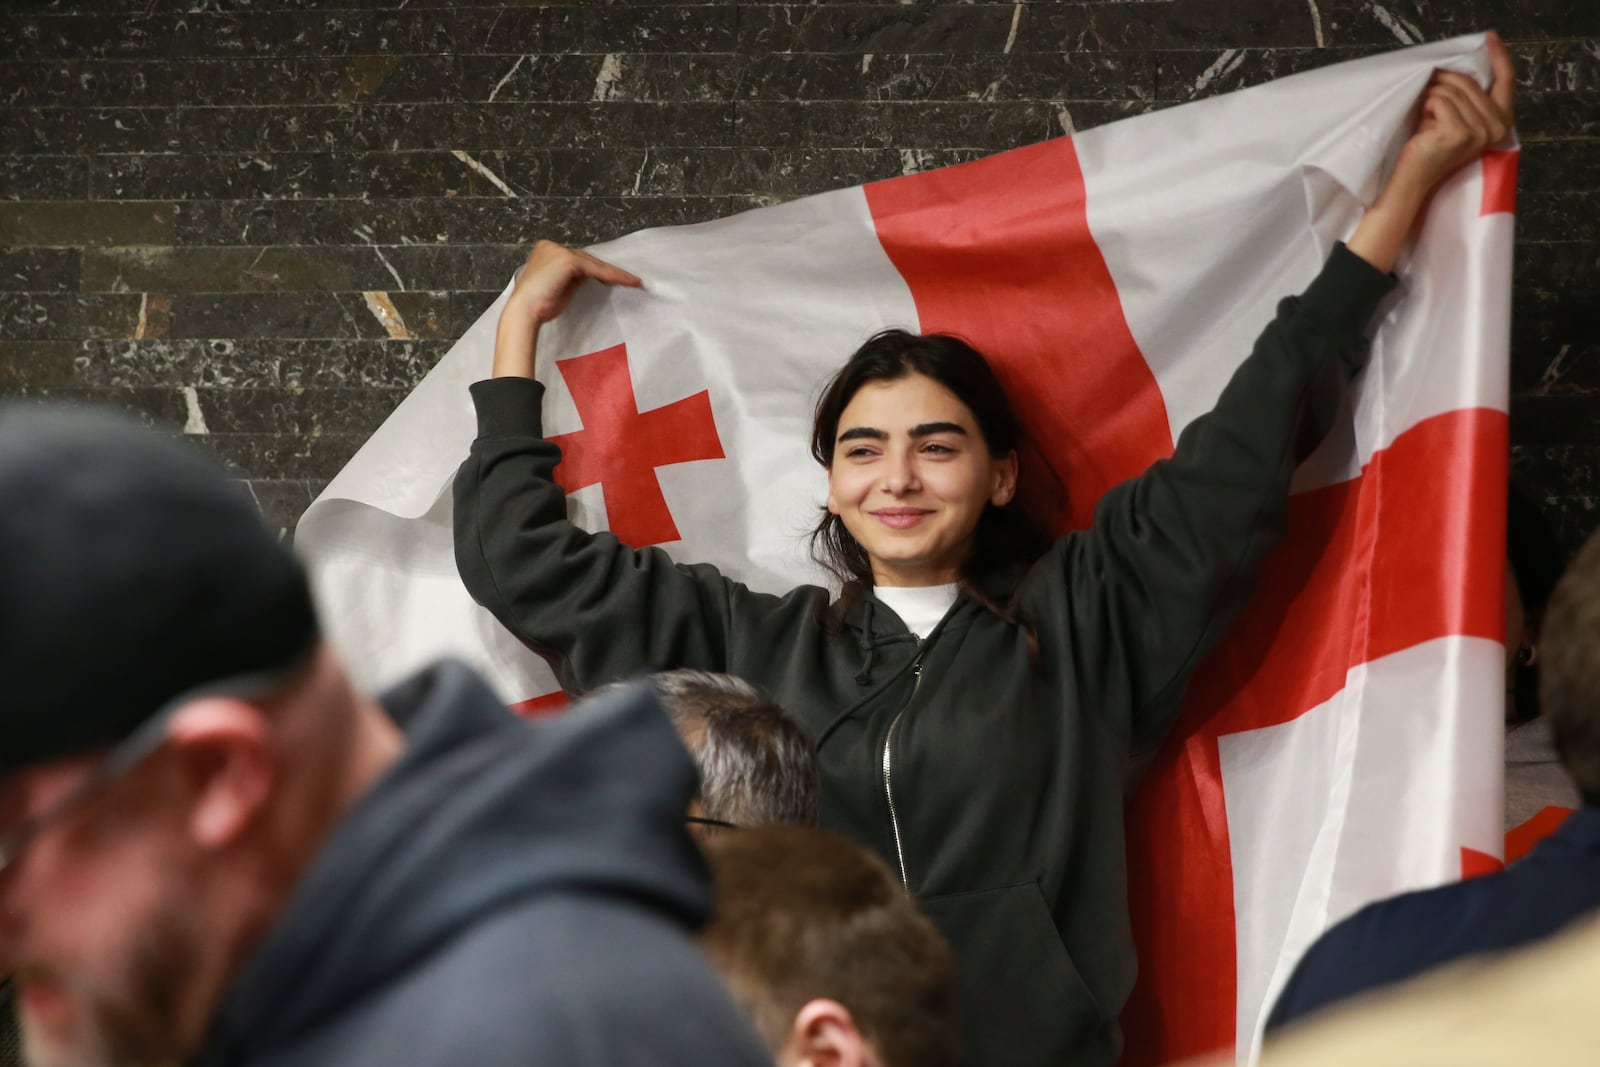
261 221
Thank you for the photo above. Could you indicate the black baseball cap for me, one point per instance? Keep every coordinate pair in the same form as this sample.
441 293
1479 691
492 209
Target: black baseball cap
132 570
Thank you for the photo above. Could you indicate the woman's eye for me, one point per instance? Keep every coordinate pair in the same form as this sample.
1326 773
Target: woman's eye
858 453
936 448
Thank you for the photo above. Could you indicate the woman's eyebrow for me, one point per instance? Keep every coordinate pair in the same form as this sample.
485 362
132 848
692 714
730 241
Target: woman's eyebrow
927 429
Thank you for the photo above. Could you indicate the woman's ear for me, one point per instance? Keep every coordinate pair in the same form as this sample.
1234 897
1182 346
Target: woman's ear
1005 480
825 1035
833 502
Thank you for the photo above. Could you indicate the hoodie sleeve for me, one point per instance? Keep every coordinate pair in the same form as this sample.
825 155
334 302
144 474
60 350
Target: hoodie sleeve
1171 556
593 607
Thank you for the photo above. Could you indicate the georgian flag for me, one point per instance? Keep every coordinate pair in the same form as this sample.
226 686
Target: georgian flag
1343 744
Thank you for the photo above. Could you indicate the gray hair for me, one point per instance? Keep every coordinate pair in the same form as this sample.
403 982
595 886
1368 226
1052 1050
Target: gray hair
757 764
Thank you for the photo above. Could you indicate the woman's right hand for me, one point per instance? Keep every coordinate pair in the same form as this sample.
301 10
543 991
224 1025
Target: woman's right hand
542 291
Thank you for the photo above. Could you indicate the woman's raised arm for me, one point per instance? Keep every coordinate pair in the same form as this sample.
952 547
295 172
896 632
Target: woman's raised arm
1172 555
595 608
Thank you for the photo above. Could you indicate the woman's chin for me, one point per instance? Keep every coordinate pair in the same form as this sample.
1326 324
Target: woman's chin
912 571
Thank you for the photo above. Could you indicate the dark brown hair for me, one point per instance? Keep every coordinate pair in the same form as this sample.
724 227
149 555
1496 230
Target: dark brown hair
1536 560
1008 539
802 914
1569 683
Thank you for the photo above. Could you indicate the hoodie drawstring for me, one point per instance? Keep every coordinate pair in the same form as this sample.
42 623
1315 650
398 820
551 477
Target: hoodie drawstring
869 647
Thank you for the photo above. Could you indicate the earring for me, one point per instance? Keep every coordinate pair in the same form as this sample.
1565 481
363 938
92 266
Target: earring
1527 655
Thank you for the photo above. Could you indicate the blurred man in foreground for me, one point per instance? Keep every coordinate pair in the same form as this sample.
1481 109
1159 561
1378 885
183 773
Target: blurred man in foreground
214 851
828 954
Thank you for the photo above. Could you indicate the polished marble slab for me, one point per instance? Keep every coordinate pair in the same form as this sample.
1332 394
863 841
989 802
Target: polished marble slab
260 222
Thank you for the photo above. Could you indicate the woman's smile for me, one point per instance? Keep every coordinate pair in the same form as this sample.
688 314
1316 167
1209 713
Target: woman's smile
901 518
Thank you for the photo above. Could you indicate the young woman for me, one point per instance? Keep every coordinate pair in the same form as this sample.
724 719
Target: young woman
974 700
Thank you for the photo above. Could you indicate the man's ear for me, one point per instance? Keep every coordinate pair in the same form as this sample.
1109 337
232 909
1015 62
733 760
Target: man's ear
825 1035
224 745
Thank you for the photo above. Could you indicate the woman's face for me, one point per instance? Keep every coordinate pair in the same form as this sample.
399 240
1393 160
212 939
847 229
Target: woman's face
911 475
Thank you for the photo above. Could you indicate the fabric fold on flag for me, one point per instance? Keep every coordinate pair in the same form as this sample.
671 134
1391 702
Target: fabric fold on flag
1342 744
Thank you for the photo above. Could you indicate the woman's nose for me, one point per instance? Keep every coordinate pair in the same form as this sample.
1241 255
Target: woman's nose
899 474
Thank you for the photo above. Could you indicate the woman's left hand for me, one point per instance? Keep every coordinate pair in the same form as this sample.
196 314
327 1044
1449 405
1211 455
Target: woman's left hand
1459 121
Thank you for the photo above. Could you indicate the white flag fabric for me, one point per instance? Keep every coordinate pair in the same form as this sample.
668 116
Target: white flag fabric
1342 744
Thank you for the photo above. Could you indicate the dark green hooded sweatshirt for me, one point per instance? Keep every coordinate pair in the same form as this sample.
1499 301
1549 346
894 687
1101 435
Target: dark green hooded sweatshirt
993 788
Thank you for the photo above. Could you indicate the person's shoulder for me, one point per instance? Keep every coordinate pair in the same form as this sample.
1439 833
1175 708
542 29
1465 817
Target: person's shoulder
1394 921
613 981
1385 942
559 975
586 941
1447 917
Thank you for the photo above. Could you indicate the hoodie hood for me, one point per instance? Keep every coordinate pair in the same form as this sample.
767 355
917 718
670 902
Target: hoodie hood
482 810
873 628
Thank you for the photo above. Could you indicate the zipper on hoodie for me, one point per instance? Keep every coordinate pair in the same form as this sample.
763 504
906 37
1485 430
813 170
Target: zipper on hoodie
888 766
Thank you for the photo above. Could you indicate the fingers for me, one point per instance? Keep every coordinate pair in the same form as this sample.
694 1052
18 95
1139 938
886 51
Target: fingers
1464 112
1483 113
1497 99
1505 75
552 275
1443 140
609 273
557 260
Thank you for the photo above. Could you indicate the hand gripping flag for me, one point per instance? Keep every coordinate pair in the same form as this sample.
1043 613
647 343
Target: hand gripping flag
1341 745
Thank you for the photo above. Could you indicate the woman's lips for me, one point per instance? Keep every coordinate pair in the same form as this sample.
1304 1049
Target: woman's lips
901 518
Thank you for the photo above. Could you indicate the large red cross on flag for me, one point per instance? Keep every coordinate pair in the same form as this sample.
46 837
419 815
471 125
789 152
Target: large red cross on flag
1342 744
